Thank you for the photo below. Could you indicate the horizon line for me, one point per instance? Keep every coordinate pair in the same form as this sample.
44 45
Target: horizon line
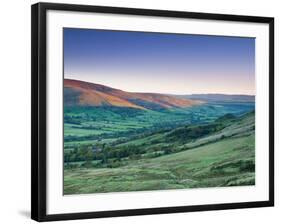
165 93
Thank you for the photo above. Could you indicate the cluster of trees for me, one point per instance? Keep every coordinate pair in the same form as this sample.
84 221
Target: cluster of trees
102 153
71 120
79 154
108 153
195 132
106 156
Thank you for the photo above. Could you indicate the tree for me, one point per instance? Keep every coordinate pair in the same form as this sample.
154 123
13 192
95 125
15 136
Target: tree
89 156
104 156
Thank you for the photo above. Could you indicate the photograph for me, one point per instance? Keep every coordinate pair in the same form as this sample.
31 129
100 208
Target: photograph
151 111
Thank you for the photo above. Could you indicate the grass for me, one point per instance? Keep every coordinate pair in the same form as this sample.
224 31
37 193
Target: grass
215 164
224 156
91 122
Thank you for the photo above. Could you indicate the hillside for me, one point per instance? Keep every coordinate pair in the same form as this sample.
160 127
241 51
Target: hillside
220 97
79 93
190 136
224 156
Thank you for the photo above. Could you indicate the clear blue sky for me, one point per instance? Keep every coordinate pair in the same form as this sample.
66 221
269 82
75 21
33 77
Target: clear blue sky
163 63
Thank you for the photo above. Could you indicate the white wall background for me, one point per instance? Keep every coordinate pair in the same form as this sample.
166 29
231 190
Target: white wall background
15 110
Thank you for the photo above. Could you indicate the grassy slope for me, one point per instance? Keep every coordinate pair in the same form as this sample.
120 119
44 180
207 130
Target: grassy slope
215 162
240 126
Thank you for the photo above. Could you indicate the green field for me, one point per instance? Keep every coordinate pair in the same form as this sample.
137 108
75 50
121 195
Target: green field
171 150
216 164
85 125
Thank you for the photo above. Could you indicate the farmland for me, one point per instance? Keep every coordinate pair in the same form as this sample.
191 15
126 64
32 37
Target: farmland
113 149
84 125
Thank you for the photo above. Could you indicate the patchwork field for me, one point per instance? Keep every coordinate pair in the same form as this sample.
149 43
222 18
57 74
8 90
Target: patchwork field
90 125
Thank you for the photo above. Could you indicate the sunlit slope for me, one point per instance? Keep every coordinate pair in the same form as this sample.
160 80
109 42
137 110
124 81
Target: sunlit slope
79 93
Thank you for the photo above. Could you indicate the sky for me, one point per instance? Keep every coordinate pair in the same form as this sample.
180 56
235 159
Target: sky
160 62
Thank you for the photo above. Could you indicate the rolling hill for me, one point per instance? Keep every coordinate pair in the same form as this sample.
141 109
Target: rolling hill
220 97
80 93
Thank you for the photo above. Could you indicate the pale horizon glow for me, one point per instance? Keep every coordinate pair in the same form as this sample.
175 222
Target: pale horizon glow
161 63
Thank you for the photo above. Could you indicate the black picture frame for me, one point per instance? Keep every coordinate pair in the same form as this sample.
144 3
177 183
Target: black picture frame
39 122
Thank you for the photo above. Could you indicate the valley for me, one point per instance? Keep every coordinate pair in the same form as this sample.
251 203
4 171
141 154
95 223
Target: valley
119 141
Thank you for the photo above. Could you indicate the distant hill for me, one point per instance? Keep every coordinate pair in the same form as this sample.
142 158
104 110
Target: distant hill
80 93
220 97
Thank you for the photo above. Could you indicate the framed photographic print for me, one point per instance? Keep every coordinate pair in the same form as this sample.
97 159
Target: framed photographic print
139 111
